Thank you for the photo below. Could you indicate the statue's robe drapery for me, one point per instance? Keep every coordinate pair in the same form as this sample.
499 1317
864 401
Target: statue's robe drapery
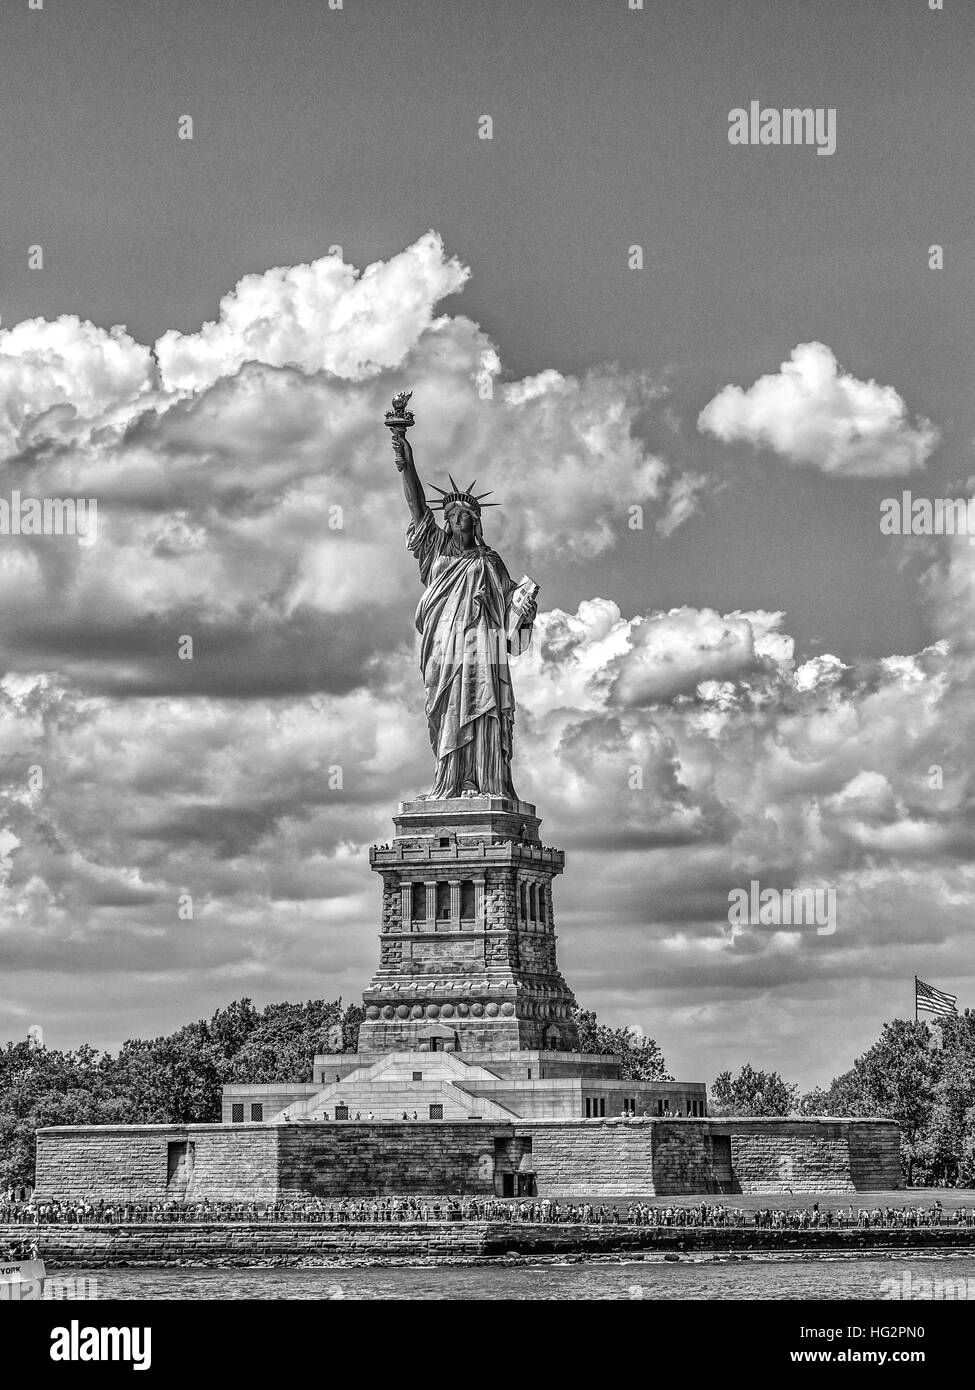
463 652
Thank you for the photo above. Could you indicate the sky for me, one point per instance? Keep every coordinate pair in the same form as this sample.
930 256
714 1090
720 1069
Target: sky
692 371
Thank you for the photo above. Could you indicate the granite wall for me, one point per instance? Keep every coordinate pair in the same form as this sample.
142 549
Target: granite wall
263 1243
259 1162
773 1155
159 1162
399 1157
588 1157
570 1158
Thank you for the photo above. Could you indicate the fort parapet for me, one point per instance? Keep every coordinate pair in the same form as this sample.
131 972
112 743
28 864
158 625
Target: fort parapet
566 1158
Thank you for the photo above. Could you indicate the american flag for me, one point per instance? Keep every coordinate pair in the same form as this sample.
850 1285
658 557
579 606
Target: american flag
936 1001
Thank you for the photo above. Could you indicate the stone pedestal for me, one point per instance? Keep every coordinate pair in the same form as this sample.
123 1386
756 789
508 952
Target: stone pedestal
467 944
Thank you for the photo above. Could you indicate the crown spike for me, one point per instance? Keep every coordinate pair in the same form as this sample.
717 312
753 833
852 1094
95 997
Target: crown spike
465 497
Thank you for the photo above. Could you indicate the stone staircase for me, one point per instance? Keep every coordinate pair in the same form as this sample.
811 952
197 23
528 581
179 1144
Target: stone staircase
410 1082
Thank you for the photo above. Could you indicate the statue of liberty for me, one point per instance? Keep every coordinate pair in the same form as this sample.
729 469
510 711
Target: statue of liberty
470 616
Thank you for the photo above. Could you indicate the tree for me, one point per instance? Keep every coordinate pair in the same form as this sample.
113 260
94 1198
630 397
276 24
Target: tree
753 1092
231 1027
285 1040
352 1021
640 1057
894 1079
947 1145
40 1087
175 1079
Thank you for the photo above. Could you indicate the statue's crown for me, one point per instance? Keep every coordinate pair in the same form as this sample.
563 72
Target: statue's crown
462 497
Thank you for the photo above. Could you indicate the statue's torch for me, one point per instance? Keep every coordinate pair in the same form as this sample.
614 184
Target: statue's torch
399 419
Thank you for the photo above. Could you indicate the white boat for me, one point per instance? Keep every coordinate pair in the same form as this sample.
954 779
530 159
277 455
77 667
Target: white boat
21 1280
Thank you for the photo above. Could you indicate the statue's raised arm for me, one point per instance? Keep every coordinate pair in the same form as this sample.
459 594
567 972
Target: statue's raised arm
398 421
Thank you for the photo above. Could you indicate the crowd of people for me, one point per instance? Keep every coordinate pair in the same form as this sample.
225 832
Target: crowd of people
806 1218
375 1210
16 1251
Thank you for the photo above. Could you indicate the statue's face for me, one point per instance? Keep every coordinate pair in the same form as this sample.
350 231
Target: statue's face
461 523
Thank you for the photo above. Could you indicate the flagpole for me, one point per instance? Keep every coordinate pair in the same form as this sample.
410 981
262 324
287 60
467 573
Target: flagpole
915 999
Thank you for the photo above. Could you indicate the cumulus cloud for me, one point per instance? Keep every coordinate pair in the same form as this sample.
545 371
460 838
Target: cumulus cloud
319 317
672 653
811 412
57 375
